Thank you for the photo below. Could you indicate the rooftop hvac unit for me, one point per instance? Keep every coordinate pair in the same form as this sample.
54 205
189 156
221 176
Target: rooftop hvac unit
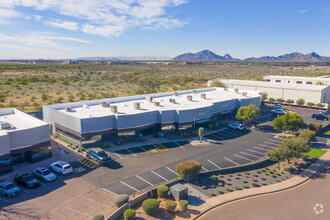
175 93
4 125
244 94
189 97
149 98
136 105
225 89
85 106
68 109
156 103
203 96
114 108
194 91
172 100
236 90
104 104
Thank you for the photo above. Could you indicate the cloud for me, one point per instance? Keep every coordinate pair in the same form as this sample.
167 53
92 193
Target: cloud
6 14
302 11
36 17
72 26
106 17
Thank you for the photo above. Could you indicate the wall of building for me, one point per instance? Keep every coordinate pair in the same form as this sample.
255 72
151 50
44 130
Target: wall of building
291 80
4 147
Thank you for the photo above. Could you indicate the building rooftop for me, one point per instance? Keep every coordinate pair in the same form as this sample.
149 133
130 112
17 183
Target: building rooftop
321 78
125 105
17 120
275 85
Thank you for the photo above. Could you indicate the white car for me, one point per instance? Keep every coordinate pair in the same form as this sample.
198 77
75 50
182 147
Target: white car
61 167
9 189
279 111
44 174
277 106
236 126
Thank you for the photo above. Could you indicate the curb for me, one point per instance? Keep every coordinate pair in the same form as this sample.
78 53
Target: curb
259 194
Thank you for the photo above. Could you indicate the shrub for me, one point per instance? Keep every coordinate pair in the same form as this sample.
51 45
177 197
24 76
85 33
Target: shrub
274 176
170 205
237 188
98 217
254 175
162 191
184 205
254 184
188 169
228 179
307 135
314 126
203 187
263 178
150 206
121 200
289 101
300 102
320 105
310 104
280 100
129 214
228 189
212 194
230 175
244 181
220 184
245 186
220 192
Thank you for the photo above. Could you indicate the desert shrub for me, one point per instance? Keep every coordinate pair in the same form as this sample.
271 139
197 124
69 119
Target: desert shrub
121 200
129 214
254 184
314 126
188 168
184 205
263 178
220 184
289 101
98 217
212 194
150 206
237 188
244 181
203 187
170 205
310 104
271 99
162 191
307 135
245 186
212 186
220 192
274 176
300 102
320 105
254 175
228 189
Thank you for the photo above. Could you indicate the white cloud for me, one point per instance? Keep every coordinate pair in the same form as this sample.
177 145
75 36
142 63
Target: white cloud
72 26
6 14
37 17
302 11
106 17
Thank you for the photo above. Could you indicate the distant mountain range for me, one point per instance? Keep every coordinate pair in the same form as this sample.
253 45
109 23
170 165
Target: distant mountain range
206 55
121 58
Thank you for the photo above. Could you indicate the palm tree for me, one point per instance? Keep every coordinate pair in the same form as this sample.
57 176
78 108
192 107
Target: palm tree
201 133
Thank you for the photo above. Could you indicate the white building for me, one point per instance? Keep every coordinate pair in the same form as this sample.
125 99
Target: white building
321 80
22 137
113 118
310 93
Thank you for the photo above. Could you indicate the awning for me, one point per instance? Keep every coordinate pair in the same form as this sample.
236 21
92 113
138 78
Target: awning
225 112
203 120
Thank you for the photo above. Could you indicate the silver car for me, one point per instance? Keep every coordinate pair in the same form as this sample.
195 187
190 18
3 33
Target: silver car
9 189
44 174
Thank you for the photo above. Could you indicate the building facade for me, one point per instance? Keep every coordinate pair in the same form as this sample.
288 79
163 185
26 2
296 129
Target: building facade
322 80
310 93
110 119
22 138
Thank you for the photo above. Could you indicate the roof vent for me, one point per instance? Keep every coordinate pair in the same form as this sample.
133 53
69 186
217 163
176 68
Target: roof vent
194 91
136 105
225 89
104 104
175 93
149 98
85 106
114 108
189 97
4 125
244 94
236 90
172 100
156 103
203 96
68 109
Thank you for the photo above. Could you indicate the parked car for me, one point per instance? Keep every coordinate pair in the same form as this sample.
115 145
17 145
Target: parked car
320 117
61 167
44 174
277 106
279 111
9 189
26 180
98 155
6 162
326 113
236 126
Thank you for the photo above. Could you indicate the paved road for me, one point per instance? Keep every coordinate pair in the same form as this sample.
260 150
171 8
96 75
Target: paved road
294 204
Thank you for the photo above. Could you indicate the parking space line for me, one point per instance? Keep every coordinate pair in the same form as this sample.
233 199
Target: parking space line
171 171
129 186
79 212
266 142
263 145
261 148
97 202
178 144
144 150
243 157
255 151
275 140
131 152
230 132
214 164
250 155
159 175
226 135
24 190
110 192
205 169
118 155
4 200
216 136
231 161
144 180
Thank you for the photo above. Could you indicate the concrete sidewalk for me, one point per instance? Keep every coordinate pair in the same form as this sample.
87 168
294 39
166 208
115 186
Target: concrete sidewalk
238 195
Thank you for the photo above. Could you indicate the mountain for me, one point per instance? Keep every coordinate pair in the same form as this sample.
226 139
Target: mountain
204 55
291 57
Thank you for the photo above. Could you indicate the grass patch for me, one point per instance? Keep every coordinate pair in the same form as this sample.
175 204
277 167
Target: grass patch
315 153
326 133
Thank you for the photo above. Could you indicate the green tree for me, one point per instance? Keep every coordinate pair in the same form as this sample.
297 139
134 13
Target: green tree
248 113
310 104
201 133
289 122
300 102
188 169
271 99
289 101
294 148
277 155
264 96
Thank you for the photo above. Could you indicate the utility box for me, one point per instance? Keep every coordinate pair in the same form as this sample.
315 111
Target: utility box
179 192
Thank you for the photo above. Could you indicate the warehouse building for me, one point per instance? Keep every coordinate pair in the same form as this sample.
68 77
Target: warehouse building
110 119
22 138
321 80
310 93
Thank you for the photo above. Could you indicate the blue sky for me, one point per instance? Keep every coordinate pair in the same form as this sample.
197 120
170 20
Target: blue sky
32 29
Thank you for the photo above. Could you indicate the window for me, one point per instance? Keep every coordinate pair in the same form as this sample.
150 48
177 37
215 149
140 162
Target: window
267 80
278 80
309 83
299 82
288 81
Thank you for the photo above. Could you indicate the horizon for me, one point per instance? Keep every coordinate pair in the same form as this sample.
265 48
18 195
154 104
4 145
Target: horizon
164 28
